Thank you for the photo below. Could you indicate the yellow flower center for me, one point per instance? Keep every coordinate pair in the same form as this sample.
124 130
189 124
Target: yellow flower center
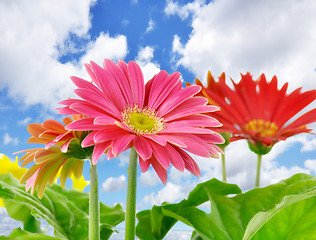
266 129
142 120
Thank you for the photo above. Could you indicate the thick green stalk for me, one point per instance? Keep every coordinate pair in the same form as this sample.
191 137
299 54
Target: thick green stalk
224 168
257 183
94 205
131 197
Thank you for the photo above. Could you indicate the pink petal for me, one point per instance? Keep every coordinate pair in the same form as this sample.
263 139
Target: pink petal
174 140
88 109
64 147
98 150
83 84
160 170
121 80
119 144
153 85
177 98
160 154
102 103
142 147
105 120
190 107
194 144
212 138
197 120
109 153
83 124
109 86
88 140
137 83
174 128
110 133
175 158
157 138
159 94
67 111
144 164
190 164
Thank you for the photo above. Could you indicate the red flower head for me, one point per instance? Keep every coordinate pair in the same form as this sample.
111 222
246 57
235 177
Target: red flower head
258 111
160 119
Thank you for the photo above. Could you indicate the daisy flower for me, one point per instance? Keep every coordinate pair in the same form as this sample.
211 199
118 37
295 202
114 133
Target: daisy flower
256 110
62 155
160 119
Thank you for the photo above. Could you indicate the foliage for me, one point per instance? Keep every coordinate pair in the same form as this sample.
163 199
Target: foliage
286 210
67 211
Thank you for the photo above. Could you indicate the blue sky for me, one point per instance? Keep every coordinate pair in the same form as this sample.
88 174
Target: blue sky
42 44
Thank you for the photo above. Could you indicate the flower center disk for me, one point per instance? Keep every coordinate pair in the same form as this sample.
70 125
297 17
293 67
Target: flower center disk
142 120
265 129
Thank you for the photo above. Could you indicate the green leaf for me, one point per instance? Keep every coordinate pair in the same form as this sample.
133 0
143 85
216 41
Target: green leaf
229 216
22 213
153 224
65 210
19 234
293 218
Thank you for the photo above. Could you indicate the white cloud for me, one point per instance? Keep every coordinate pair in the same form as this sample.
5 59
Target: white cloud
272 37
151 25
169 193
149 178
310 164
7 139
32 33
25 121
105 47
7 224
144 60
173 8
125 22
113 184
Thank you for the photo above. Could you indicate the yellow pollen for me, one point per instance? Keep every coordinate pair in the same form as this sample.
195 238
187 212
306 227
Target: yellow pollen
142 120
266 129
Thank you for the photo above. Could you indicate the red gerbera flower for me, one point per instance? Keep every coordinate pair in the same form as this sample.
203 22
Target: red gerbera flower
258 111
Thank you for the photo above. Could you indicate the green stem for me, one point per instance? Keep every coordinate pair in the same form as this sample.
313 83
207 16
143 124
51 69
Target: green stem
257 183
131 196
94 206
224 167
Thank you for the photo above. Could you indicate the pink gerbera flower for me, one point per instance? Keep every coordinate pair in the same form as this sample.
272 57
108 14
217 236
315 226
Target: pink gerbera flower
160 119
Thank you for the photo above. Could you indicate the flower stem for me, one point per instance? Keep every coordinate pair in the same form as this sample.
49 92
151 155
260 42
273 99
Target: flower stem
94 206
224 168
131 197
257 183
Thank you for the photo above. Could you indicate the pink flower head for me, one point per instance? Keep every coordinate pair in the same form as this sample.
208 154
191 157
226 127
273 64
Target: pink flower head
160 119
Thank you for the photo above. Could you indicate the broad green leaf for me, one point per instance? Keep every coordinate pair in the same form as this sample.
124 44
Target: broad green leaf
153 224
65 210
22 213
293 218
19 234
229 216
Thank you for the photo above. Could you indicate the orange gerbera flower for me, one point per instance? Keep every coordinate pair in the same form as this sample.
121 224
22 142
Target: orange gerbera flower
62 151
256 110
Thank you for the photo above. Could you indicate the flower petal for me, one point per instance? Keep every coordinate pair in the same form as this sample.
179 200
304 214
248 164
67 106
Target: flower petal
99 149
142 147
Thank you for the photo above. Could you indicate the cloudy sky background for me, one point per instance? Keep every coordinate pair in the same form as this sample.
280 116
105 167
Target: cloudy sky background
42 43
